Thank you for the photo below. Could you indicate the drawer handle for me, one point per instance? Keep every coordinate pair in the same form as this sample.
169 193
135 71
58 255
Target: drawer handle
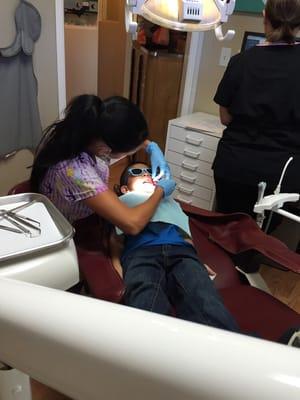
183 200
191 154
193 128
191 167
192 140
182 189
190 179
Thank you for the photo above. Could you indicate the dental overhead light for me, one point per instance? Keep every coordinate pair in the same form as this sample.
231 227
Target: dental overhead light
182 15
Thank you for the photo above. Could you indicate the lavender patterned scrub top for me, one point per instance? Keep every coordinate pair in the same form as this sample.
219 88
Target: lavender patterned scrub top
70 181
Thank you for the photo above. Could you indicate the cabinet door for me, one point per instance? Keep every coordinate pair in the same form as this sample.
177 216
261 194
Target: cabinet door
138 75
162 93
114 50
81 49
155 88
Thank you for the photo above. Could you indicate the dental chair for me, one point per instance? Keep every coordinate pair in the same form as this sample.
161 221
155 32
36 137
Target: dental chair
255 311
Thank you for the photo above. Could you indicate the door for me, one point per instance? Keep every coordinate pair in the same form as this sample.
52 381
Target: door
155 88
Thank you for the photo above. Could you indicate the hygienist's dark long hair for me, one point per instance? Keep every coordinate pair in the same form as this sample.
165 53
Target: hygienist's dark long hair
116 121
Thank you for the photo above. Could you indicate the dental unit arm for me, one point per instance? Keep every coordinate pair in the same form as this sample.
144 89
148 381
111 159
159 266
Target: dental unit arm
275 202
226 8
191 15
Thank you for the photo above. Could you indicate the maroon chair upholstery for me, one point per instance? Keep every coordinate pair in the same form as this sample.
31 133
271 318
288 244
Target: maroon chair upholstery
255 311
216 258
238 234
102 280
96 268
22 187
258 312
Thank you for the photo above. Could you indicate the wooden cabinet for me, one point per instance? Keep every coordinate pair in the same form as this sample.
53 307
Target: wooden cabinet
190 150
81 52
113 42
155 88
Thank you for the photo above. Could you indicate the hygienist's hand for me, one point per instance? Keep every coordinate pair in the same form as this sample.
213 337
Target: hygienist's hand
158 161
168 186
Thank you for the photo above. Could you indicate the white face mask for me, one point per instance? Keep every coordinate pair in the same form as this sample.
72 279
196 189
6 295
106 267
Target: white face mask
100 149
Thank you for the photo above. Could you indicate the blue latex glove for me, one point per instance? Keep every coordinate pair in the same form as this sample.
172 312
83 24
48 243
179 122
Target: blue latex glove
158 161
168 186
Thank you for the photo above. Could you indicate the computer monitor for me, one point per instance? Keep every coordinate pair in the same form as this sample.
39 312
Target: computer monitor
252 39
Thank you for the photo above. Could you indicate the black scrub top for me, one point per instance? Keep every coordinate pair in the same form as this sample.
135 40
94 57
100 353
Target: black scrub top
261 89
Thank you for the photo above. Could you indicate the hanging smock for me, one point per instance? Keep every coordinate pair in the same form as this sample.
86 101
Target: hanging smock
20 125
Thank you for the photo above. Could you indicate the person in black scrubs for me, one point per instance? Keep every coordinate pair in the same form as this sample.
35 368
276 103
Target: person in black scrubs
259 99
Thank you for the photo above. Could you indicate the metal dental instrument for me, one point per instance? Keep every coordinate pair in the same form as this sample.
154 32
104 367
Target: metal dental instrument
28 219
7 228
20 221
19 208
16 224
23 221
14 214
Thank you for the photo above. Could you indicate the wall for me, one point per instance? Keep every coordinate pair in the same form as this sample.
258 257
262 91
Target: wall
14 169
210 72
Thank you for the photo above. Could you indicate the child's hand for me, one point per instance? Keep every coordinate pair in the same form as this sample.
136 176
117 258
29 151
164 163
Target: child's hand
212 274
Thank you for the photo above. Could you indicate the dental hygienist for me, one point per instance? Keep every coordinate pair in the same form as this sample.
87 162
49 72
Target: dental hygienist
259 103
71 166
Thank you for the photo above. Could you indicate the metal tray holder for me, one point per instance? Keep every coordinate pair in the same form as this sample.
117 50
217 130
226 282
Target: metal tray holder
17 222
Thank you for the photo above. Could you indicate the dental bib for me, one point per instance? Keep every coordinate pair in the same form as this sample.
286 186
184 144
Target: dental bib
168 211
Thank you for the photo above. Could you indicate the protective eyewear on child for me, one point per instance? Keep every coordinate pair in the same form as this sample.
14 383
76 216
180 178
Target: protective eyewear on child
139 171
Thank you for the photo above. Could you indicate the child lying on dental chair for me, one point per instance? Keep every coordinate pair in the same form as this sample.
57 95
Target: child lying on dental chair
161 270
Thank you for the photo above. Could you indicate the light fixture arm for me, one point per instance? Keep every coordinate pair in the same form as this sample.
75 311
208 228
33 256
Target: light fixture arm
220 36
134 6
130 24
226 8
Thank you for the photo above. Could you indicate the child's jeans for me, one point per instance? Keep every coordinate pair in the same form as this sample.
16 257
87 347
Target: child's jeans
166 277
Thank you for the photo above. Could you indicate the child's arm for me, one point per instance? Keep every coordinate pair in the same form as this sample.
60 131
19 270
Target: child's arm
116 247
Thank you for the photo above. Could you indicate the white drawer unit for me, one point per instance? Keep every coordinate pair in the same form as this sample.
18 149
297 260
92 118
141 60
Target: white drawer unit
195 190
196 138
191 151
187 176
191 147
188 164
192 200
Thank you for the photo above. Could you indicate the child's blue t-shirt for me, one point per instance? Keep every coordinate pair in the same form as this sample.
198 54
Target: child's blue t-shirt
155 233
167 225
